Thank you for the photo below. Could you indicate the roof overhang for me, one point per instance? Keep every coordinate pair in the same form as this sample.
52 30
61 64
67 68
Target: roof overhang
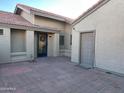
42 29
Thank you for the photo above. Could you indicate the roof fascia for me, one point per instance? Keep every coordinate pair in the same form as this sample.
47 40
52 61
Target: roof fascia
47 15
29 28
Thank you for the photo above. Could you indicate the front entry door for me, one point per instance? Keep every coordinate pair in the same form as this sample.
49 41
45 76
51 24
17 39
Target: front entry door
87 49
42 44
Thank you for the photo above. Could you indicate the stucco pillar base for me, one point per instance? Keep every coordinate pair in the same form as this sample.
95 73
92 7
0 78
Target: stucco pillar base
30 45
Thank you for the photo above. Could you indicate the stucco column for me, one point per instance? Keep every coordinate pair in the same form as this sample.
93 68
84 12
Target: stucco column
56 44
5 46
30 44
75 56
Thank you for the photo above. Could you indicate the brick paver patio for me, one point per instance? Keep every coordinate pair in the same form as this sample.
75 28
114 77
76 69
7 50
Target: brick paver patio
56 75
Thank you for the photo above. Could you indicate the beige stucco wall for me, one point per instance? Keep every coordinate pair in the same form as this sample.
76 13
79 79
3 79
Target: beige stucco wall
5 46
29 17
68 32
75 46
109 45
56 45
50 45
30 44
66 49
48 22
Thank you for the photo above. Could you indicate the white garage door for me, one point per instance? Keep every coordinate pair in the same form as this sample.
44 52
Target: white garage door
87 49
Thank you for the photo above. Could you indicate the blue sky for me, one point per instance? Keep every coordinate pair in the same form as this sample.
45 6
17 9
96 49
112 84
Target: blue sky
68 8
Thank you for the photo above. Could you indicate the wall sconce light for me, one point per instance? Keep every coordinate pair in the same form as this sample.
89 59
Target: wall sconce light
50 36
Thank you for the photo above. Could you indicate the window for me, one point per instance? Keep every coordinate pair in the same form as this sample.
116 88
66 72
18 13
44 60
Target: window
70 39
61 40
1 31
18 40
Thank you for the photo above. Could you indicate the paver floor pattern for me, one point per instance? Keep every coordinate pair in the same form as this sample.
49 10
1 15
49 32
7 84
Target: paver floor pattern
56 75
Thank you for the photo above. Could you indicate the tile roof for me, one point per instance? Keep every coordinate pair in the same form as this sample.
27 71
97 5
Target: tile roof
10 18
66 19
16 20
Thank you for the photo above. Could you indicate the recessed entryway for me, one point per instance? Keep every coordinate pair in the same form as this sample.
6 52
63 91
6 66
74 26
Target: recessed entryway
87 52
42 45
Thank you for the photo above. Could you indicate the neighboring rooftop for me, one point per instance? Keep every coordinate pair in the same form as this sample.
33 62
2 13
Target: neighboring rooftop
43 13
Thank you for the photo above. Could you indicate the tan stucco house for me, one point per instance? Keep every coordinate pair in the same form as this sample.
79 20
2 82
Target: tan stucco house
29 33
98 37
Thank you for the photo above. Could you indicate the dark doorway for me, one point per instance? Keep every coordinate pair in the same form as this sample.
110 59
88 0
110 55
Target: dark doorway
42 45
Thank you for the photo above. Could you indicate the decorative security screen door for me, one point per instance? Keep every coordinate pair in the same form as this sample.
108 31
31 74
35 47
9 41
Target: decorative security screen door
42 44
87 49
